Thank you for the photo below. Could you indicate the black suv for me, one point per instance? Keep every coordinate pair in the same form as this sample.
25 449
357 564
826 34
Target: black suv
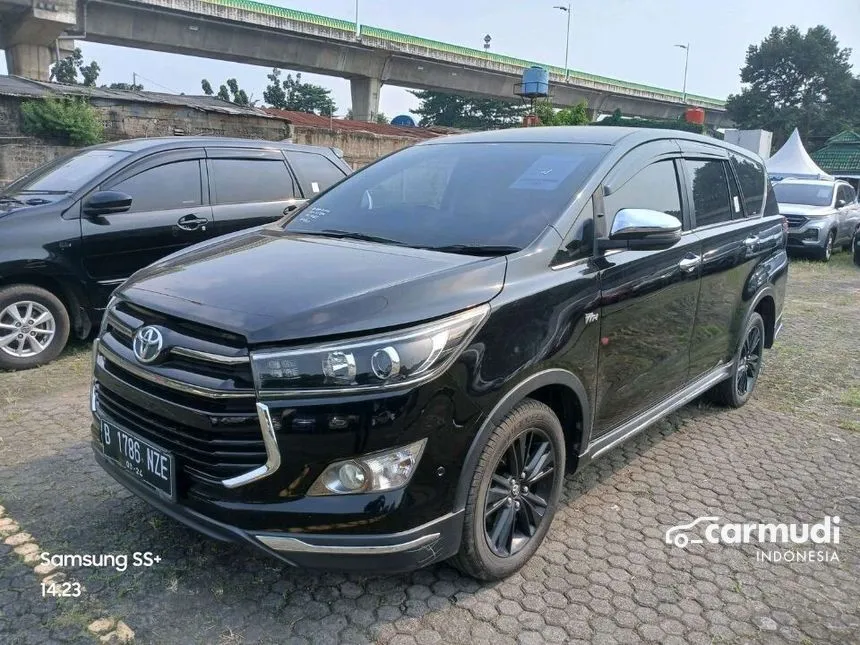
401 371
74 229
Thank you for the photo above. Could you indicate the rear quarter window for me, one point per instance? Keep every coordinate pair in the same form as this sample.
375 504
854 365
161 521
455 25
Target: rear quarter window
753 183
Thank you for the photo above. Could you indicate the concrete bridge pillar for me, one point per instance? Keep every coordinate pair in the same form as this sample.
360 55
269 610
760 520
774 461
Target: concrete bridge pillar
365 97
29 61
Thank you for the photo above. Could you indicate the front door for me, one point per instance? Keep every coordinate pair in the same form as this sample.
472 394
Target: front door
169 211
648 298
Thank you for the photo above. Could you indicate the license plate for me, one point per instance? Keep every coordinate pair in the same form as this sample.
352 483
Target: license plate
135 455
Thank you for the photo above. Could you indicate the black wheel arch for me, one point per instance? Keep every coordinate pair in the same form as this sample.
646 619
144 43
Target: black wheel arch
764 303
538 381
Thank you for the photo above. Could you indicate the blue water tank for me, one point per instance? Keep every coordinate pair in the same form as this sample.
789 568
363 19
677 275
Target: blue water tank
535 82
404 120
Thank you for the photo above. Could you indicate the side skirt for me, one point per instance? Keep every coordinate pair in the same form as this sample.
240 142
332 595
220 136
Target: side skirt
637 424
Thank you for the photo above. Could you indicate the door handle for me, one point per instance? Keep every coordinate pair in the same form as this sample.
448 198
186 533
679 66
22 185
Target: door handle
192 222
690 263
751 242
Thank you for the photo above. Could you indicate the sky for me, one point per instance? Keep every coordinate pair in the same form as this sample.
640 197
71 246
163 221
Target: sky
631 40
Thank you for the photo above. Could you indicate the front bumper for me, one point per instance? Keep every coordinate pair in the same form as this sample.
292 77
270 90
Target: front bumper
383 553
801 238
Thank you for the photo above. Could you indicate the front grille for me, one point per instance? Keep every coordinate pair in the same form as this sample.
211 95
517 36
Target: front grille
230 447
795 221
195 400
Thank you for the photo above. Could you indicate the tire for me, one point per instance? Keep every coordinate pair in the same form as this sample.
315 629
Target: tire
488 554
733 392
824 254
21 350
857 248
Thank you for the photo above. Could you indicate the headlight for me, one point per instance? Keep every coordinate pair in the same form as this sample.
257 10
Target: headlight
110 306
396 359
373 473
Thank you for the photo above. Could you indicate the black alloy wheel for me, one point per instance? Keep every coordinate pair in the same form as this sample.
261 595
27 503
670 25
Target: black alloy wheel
749 361
736 390
513 492
516 501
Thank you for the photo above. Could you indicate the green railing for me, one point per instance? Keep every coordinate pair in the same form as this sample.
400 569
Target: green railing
438 46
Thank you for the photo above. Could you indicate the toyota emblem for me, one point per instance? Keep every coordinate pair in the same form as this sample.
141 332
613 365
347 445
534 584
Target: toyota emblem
147 344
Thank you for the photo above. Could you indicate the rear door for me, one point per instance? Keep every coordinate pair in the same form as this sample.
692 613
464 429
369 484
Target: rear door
728 218
315 171
848 212
648 298
249 187
169 211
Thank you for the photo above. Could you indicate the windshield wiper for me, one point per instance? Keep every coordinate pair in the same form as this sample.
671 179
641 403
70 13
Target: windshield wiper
43 192
9 199
350 235
474 249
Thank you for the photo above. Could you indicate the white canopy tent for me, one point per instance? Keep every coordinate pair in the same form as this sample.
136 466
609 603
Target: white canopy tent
792 160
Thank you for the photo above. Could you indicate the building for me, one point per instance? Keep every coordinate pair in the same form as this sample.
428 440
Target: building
840 156
129 114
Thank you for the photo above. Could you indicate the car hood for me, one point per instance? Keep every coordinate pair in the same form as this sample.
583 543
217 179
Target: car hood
803 209
270 286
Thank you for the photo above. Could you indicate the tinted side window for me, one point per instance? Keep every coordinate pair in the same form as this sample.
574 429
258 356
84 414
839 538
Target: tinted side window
654 188
173 185
846 193
711 203
851 194
752 179
246 181
315 172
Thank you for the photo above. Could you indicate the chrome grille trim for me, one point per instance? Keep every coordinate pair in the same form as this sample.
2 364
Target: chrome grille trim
165 381
273 453
221 359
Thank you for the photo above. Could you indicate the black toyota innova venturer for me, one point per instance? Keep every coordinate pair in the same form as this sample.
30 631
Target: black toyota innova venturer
403 370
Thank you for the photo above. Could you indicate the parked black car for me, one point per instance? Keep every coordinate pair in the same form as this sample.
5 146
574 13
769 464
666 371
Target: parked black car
74 229
400 373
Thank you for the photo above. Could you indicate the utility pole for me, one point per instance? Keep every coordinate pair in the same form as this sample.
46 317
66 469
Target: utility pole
357 26
567 40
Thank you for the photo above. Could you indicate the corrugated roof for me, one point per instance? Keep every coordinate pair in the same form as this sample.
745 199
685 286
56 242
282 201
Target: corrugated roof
341 125
841 154
23 87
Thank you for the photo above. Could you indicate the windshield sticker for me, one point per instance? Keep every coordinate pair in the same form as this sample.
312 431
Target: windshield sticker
312 214
546 173
315 187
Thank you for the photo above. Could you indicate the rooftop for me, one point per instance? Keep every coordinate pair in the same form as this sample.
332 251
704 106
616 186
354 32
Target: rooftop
27 88
343 125
841 154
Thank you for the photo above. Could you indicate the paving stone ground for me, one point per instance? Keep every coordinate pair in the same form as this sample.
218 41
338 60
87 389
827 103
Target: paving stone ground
604 574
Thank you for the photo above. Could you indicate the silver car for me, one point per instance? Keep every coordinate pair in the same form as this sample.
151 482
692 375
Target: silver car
821 214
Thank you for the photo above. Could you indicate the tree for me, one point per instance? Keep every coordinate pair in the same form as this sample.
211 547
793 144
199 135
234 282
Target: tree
576 115
229 92
797 80
66 70
467 113
131 87
292 94
71 121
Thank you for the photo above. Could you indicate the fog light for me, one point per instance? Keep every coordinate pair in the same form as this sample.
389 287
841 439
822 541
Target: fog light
373 473
811 234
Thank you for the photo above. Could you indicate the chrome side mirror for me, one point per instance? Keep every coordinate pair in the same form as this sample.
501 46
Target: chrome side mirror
642 229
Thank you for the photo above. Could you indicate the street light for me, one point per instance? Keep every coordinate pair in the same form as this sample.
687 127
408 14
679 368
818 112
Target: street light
567 41
686 49
357 27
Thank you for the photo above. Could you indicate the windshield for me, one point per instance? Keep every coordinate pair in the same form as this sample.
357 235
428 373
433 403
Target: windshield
494 198
66 174
806 194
